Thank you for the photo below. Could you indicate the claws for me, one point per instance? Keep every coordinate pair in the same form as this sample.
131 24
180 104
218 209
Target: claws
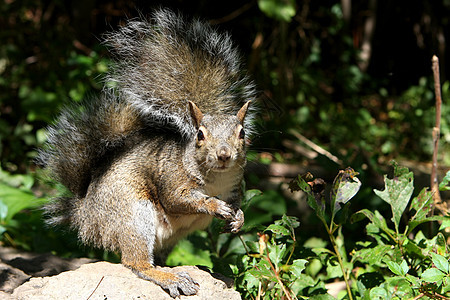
175 284
224 211
183 282
236 223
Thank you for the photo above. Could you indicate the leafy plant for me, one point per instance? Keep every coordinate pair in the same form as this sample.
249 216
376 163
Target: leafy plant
15 196
345 186
399 262
270 260
417 262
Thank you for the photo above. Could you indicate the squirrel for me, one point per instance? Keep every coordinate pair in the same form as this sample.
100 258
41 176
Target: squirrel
161 151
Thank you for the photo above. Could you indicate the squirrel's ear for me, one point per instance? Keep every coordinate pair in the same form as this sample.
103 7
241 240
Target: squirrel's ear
242 112
196 114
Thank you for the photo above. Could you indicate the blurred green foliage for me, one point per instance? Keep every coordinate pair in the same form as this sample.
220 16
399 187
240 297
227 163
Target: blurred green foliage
40 70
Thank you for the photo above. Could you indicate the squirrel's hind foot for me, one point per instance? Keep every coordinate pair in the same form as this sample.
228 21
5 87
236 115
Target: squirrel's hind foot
174 283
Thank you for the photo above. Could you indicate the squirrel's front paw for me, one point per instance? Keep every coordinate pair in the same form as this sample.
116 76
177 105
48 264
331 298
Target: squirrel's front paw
222 210
236 223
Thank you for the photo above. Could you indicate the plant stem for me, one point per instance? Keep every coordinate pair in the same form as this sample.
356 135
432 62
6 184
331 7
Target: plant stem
277 275
245 246
418 296
436 132
341 263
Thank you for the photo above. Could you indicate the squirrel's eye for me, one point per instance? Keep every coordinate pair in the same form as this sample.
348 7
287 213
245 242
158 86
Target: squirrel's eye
200 135
242 134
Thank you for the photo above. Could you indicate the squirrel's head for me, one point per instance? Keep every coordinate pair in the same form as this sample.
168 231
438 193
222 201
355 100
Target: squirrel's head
220 140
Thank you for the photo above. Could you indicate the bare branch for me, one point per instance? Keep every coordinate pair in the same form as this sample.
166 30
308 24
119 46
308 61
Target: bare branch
436 132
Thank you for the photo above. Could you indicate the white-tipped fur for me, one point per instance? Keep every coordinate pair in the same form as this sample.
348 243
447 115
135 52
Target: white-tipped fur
162 64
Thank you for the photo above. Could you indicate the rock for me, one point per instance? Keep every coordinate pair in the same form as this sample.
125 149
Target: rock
16 267
10 278
5 296
103 280
39 265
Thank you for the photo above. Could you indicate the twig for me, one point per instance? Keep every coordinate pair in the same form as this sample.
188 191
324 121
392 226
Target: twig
95 288
233 14
436 132
418 296
274 270
243 243
436 296
315 147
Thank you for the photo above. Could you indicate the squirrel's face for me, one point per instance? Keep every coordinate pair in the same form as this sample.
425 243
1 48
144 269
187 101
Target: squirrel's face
220 143
220 139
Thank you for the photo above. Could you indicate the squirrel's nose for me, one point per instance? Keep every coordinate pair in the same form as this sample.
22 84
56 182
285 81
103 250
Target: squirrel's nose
224 153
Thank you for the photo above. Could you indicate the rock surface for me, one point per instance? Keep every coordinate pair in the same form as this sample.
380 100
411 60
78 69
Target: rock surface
16 267
103 280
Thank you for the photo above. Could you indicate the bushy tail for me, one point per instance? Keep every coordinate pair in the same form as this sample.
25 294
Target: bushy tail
162 64
82 135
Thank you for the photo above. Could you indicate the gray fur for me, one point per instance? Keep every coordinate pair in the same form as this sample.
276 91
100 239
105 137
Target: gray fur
170 58
140 177
144 221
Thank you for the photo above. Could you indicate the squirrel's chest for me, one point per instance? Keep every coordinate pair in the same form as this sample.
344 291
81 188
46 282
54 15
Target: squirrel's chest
221 185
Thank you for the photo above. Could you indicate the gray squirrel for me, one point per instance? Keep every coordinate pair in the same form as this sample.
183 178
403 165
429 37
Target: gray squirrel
163 149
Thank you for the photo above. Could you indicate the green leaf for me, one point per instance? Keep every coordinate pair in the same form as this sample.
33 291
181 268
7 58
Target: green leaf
440 262
415 282
16 180
303 281
263 270
322 297
298 266
413 250
276 253
290 221
432 275
422 204
251 281
397 192
414 224
345 186
248 196
333 269
185 253
278 229
446 285
445 184
404 267
282 10
378 293
16 200
397 269
372 256
399 287
445 224
377 219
